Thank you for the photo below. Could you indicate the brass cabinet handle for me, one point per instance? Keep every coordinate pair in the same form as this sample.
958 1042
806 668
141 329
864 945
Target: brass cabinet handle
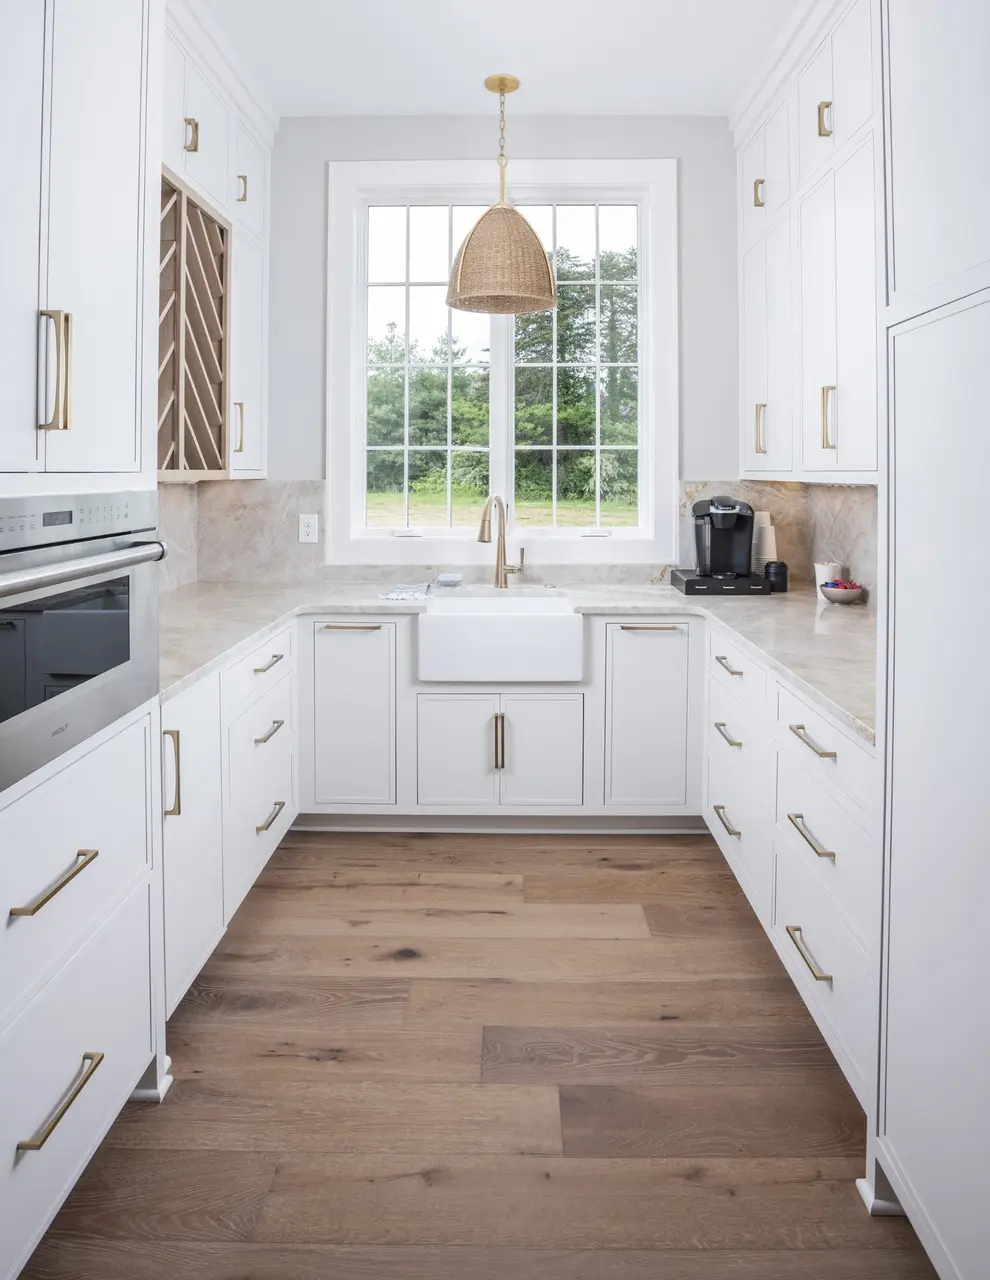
823 129
193 143
61 419
720 814
279 806
801 734
176 808
351 626
794 933
496 756
758 429
242 179
83 859
758 199
651 626
720 726
797 822
723 662
273 661
501 739
239 406
267 737
826 439
90 1062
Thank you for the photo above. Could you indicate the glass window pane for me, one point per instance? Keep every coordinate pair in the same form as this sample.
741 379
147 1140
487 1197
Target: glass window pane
620 324
534 338
428 324
620 406
468 488
428 406
534 406
427 488
540 218
576 242
617 239
464 218
576 406
429 249
386 244
620 488
469 406
575 488
387 325
534 488
576 335
386 406
384 508
472 342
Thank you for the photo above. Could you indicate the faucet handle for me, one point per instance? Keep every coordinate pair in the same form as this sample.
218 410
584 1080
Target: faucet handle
518 568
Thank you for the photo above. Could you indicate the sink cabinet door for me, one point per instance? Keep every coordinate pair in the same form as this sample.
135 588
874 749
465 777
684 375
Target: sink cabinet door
646 708
543 753
456 747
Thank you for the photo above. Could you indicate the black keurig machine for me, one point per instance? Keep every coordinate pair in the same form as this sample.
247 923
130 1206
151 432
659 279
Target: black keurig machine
723 535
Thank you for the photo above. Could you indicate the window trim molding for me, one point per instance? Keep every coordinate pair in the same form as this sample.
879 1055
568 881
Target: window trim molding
352 187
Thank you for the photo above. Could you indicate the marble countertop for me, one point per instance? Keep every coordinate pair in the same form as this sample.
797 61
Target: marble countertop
826 652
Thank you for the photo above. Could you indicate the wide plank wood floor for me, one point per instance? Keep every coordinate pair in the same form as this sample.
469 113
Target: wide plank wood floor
479 1057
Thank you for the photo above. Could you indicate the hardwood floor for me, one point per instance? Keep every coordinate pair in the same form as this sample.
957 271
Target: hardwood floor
470 1058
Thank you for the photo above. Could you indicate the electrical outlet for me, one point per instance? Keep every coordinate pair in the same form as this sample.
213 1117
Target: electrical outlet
309 528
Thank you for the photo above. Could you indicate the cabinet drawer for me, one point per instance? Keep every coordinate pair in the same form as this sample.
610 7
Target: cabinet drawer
813 939
740 740
99 1004
257 672
837 849
256 737
825 751
743 677
743 834
257 817
83 833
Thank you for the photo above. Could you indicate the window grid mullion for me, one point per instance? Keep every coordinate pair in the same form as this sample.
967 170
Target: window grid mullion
598 374
553 389
450 386
405 422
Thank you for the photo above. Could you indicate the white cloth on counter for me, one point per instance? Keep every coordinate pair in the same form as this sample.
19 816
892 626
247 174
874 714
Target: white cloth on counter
407 591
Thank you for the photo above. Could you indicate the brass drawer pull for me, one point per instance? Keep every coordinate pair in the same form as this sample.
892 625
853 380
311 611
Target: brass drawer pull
720 814
501 739
273 661
279 806
801 734
720 726
826 438
649 626
192 144
723 662
759 446
824 131
758 199
61 418
351 626
83 859
242 179
90 1061
267 737
797 822
497 757
176 808
794 933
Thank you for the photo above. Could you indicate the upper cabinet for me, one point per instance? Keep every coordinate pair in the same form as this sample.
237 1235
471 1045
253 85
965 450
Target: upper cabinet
765 169
835 90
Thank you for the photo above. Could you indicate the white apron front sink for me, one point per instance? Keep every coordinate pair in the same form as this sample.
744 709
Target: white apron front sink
501 639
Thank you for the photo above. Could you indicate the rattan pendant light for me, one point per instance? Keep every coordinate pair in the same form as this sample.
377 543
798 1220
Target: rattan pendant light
502 268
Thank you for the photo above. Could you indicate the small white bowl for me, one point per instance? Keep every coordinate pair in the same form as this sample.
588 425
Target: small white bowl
842 595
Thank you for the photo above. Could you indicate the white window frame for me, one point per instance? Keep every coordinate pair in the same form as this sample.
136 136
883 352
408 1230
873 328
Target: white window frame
354 186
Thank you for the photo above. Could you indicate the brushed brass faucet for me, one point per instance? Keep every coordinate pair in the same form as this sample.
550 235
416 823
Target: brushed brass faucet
502 570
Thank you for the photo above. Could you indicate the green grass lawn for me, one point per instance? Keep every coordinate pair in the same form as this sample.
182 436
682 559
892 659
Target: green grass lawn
430 511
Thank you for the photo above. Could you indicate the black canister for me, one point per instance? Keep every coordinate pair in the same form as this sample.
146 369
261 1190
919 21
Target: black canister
775 573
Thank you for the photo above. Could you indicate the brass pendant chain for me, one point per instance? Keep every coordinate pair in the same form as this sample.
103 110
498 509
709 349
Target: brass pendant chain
503 159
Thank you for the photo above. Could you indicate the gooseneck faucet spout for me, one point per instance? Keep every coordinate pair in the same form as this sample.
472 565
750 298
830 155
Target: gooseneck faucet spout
502 570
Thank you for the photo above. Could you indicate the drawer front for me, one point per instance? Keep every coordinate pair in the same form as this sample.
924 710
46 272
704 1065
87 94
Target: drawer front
738 737
840 853
826 751
84 833
99 1004
813 939
255 738
742 676
256 819
256 673
743 834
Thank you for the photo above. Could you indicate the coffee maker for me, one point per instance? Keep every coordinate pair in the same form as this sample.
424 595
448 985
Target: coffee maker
723 535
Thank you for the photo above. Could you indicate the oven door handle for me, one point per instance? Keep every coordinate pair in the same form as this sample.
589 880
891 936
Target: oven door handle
53 575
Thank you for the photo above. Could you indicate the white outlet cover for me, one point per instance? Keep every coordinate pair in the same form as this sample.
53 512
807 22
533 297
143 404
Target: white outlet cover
309 528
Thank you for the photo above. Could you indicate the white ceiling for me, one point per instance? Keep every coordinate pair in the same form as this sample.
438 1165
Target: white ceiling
430 57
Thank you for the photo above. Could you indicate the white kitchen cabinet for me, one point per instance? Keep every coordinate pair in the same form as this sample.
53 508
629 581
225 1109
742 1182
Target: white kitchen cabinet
248 324
193 834
175 132
646 711
541 749
250 174
767 421
457 751
195 126
765 173
354 710
835 90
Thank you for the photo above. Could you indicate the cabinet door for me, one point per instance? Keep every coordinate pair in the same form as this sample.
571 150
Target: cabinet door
95 243
816 141
247 320
193 841
646 701
852 73
457 749
354 691
754 357
778 417
247 200
854 430
207 165
22 88
818 319
175 132
777 188
542 749
754 176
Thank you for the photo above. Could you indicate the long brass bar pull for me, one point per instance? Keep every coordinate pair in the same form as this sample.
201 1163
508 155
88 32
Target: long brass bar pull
720 814
495 745
720 726
824 130
801 734
83 859
59 419
91 1062
797 822
760 447
176 808
267 737
279 806
794 933
501 739
67 398
192 142
827 442
649 626
273 661
351 626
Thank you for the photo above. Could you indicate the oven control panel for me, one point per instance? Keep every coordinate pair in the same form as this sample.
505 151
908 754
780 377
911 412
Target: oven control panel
45 521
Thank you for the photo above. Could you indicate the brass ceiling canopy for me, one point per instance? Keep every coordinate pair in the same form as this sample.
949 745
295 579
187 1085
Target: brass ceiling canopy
502 267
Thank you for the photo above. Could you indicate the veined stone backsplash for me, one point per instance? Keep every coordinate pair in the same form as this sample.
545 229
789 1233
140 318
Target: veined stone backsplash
247 530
